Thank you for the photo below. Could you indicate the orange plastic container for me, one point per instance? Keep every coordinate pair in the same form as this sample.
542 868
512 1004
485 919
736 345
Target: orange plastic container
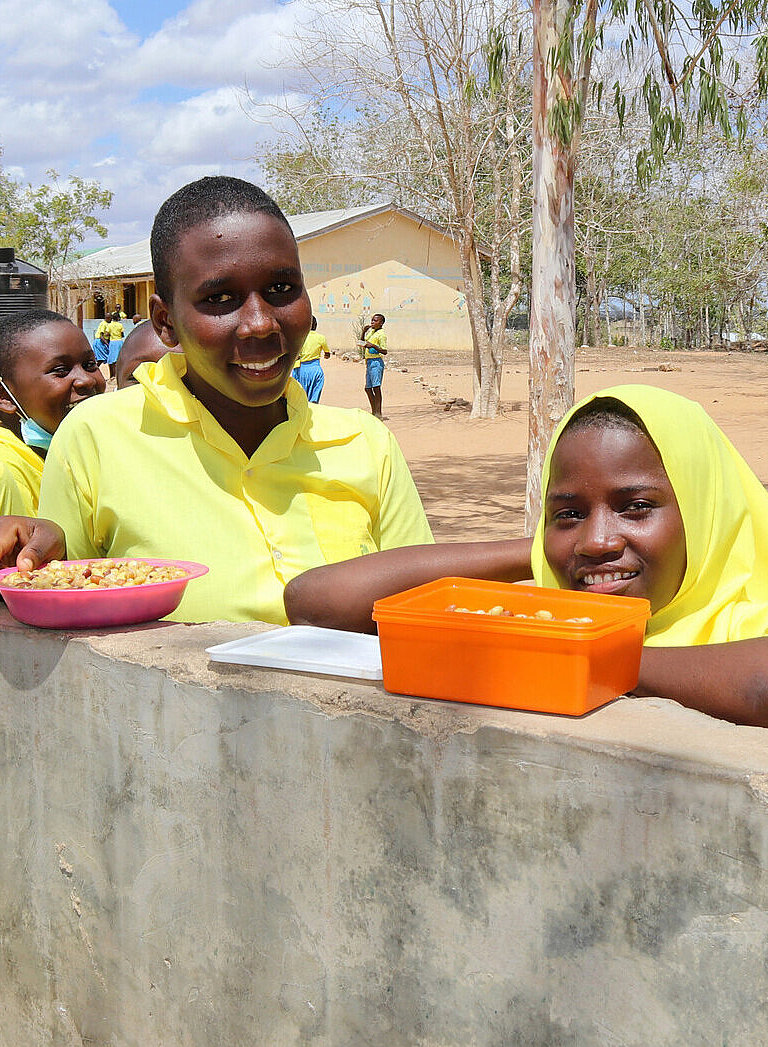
552 666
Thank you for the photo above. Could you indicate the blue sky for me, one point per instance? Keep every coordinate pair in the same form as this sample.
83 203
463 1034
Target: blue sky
144 16
143 95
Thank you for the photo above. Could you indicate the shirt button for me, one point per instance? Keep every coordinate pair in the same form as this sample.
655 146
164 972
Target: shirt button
277 554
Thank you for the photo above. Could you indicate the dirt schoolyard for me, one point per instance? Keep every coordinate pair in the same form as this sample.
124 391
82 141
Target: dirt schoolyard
471 474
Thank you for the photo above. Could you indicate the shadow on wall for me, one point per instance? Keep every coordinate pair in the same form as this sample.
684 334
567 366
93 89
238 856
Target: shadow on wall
464 496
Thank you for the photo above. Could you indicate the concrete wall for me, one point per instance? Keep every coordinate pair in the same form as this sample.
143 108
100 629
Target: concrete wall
369 241
197 854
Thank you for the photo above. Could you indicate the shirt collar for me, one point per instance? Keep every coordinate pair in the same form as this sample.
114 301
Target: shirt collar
11 440
163 384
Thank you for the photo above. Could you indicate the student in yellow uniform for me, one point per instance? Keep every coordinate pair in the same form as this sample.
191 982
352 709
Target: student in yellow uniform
216 455
142 345
374 342
46 368
308 371
644 496
113 326
108 341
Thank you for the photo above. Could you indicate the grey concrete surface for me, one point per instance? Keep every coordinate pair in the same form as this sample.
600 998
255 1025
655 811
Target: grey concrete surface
196 854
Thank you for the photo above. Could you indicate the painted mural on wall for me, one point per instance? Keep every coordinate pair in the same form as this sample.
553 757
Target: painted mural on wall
421 312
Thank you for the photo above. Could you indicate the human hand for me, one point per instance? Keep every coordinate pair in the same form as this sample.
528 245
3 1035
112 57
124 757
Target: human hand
27 543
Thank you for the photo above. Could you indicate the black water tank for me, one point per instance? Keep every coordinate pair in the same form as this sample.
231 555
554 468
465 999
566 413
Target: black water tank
22 286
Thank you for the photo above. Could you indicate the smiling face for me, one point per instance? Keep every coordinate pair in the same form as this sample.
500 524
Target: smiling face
611 519
239 311
54 370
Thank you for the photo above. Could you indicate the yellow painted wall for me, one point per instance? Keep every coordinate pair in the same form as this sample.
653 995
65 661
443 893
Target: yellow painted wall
421 293
370 241
421 313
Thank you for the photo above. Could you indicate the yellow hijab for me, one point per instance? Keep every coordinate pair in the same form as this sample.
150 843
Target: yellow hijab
724 594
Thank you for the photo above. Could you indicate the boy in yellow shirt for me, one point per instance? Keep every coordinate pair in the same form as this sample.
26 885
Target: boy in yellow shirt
221 458
374 342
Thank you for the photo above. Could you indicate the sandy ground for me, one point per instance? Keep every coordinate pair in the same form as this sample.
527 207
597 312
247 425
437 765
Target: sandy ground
471 474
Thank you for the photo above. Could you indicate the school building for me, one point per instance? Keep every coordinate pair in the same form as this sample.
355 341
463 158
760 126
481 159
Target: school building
357 261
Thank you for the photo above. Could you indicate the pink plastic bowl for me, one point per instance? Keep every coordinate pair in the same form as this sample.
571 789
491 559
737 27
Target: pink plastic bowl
99 608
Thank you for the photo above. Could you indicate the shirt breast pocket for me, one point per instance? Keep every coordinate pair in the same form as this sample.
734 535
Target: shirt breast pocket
343 527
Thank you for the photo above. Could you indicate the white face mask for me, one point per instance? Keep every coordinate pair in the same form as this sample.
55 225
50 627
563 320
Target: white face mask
32 434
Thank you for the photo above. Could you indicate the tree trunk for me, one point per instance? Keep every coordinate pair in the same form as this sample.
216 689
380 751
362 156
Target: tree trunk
641 300
485 384
591 310
553 283
604 299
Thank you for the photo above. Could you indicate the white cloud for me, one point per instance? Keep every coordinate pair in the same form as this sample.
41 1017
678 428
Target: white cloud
81 40
212 124
143 117
214 42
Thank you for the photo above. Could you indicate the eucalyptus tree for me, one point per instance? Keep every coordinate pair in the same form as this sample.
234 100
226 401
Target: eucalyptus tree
696 70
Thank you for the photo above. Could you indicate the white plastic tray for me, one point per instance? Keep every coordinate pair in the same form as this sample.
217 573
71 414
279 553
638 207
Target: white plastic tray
306 649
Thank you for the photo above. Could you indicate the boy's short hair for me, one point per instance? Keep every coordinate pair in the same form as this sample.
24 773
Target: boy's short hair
194 204
17 324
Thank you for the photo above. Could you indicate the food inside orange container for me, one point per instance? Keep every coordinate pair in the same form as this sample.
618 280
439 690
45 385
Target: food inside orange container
434 644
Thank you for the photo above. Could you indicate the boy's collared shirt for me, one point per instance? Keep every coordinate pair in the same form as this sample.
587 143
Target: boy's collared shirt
148 471
376 338
21 471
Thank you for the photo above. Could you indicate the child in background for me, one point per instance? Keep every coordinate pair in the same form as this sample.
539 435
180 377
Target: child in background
101 352
109 341
374 342
142 345
46 368
113 326
309 372
643 496
222 459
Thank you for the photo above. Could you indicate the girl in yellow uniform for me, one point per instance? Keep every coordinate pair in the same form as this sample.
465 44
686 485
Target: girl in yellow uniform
374 342
46 368
308 371
643 496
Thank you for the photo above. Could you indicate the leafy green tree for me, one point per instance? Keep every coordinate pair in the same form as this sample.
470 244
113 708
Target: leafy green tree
703 233
318 168
45 223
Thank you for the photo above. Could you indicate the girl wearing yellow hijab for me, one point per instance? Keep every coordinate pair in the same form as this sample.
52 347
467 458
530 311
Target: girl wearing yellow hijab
645 496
